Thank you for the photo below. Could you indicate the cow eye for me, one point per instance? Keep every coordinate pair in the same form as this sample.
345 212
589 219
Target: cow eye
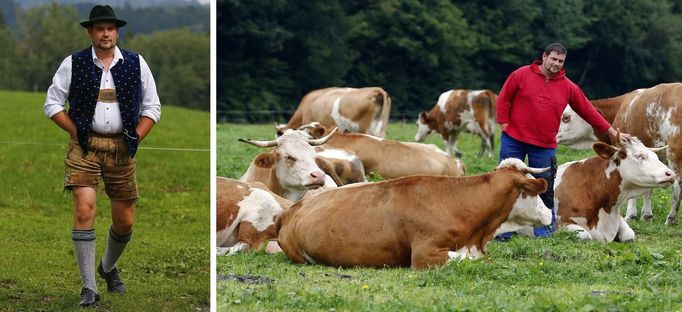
566 118
291 158
640 156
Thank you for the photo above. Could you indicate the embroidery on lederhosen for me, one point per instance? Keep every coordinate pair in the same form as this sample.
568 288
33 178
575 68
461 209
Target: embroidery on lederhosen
107 96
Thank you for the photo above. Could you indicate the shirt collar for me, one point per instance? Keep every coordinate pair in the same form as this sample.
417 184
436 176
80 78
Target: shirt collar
117 56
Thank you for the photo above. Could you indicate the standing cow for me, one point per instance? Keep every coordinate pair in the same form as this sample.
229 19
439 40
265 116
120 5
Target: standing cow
472 111
245 216
615 175
653 115
364 110
417 221
290 169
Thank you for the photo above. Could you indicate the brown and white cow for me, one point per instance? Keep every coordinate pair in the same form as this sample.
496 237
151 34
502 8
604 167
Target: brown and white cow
290 170
392 159
654 115
588 193
416 221
343 166
245 216
472 111
364 110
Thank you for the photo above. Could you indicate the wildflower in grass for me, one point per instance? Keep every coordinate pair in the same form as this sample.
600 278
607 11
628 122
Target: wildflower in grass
365 286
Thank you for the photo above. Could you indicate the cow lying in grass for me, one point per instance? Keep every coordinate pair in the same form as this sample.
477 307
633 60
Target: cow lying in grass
588 193
416 221
245 216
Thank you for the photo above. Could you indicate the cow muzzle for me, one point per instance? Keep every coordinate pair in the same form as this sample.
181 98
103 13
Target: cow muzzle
317 180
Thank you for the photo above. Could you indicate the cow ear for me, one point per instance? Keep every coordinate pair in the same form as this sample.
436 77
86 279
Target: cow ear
604 150
423 117
318 131
534 186
265 160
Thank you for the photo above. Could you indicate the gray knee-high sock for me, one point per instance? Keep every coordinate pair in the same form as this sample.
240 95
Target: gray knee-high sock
84 245
115 246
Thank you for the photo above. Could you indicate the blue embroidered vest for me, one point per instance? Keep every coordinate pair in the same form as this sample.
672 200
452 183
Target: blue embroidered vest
85 81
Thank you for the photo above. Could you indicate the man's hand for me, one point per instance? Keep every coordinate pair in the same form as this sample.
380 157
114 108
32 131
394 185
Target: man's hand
503 126
624 137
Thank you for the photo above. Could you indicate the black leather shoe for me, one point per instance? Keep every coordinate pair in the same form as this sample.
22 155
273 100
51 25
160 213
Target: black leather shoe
89 297
113 278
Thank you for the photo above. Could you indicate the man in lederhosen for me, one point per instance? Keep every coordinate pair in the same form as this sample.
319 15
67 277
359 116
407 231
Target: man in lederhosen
112 106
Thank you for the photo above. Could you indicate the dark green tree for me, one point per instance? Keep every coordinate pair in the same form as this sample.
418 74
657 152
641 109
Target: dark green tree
180 62
634 44
413 49
47 34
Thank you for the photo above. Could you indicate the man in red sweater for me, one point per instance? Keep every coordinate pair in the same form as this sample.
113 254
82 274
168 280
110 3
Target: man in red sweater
529 109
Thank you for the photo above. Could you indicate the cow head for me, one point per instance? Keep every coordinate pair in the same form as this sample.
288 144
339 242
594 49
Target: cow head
528 209
424 127
574 131
293 159
638 165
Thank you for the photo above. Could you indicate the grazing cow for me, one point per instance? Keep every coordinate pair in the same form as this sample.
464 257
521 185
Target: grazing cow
588 193
364 110
392 159
472 111
343 166
245 216
417 221
290 169
653 115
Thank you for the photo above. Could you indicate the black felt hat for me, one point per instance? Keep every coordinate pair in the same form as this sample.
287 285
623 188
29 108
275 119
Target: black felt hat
103 13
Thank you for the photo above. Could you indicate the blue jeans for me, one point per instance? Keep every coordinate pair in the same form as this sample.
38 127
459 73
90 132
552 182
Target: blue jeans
538 157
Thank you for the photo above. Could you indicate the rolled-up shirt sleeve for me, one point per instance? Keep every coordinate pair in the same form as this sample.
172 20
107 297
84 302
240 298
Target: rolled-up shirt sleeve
58 92
151 105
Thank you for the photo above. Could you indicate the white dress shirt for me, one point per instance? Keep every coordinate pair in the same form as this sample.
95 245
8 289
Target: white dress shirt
107 119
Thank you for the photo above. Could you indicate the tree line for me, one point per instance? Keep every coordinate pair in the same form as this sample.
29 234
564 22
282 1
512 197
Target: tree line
44 35
272 52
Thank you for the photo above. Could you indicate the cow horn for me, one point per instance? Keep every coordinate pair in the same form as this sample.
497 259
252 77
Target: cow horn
618 142
270 143
535 170
658 149
322 140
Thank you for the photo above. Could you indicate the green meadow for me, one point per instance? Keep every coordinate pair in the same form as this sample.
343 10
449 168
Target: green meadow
166 267
524 274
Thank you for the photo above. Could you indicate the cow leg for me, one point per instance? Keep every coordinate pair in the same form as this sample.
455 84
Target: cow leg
631 213
451 145
424 257
486 145
580 231
672 215
231 250
647 213
625 232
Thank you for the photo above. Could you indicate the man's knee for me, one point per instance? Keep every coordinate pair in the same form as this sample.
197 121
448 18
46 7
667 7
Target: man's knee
84 213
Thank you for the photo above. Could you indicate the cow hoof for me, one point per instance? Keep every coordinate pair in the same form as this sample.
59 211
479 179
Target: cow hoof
584 235
671 221
631 217
647 218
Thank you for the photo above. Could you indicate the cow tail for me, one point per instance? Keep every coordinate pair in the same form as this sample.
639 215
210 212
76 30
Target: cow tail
492 114
384 100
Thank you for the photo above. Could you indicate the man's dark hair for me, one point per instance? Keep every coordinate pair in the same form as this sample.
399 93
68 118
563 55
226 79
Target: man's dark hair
556 47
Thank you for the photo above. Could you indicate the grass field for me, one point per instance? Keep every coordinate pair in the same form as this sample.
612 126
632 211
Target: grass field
525 274
166 265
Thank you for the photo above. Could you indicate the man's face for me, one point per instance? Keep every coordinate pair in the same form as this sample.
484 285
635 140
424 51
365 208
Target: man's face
553 62
103 35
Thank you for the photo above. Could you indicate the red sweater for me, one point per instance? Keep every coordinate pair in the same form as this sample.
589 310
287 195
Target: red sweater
532 105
